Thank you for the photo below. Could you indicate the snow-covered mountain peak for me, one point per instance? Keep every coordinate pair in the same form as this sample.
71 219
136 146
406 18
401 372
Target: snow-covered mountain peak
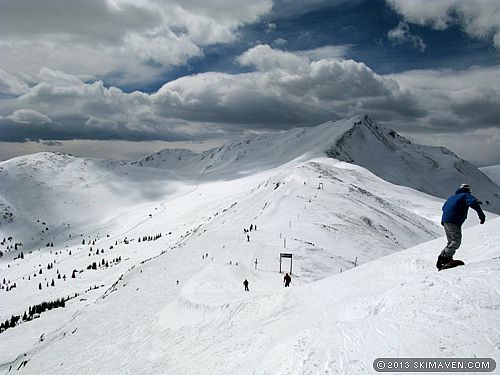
357 140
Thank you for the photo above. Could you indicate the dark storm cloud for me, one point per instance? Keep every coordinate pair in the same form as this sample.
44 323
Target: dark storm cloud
284 90
15 132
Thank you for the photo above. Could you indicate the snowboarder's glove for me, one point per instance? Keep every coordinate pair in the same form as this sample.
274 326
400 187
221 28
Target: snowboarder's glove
482 217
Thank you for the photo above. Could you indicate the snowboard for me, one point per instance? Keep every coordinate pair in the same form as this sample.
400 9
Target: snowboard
454 263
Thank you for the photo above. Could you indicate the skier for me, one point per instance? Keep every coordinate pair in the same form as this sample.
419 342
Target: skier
287 280
248 238
245 283
454 214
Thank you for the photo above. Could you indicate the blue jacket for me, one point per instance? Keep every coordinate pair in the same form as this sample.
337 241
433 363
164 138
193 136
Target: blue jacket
455 208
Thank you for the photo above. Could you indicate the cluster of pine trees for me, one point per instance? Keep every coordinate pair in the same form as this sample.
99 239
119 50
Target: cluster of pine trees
20 256
14 246
32 313
150 238
103 263
97 252
7 285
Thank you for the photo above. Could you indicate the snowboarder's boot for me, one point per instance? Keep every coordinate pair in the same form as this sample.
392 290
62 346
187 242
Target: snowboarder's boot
442 261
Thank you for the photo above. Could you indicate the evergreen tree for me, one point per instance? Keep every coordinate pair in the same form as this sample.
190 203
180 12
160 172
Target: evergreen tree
40 286
53 283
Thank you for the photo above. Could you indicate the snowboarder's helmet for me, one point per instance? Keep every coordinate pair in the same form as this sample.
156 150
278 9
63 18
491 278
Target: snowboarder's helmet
465 186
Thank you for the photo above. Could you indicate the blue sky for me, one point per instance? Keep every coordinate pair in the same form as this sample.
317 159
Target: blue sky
128 77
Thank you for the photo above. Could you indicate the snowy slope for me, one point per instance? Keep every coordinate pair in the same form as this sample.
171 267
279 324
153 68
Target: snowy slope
493 172
355 285
358 140
396 306
355 218
52 196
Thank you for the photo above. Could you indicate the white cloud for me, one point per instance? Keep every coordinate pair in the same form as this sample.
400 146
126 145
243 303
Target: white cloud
265 58
280 42
402 34
327 52
478 18
12 85
457 102
138 39
285 90
29 116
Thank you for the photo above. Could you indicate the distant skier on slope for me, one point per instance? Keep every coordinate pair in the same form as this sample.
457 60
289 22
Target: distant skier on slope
245 284
287 280
454 214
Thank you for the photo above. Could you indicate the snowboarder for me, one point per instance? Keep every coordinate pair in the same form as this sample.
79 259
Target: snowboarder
251 227
245 283
454 214
287 280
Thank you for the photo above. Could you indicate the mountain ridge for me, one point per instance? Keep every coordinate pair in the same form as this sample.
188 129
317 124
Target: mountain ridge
358 140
